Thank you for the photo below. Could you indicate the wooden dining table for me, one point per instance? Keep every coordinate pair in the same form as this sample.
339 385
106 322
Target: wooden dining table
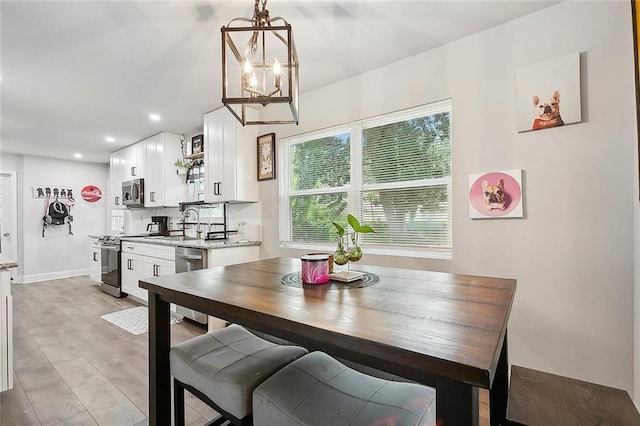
444 330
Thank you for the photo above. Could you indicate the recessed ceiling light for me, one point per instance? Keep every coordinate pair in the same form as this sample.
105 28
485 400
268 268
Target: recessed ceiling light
77 155
110 139
154 117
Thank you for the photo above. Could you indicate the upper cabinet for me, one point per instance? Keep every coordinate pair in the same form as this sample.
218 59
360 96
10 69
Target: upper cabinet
230 158
163 187
116 177
135 162
153 160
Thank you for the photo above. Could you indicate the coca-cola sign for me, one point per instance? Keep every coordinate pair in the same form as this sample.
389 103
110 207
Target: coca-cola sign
91 193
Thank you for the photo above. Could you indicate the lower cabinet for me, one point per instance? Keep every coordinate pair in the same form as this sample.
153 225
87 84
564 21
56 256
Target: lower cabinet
225 257
95 263
143 261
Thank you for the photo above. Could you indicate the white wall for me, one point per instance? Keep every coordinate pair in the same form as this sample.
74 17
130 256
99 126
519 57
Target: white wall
573 253
59 254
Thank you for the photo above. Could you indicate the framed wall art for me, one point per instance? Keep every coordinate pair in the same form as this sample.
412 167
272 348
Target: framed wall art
548 94
267 156
496 195
197 144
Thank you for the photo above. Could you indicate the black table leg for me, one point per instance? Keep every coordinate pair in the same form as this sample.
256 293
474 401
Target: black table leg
159 372
456 404
499 392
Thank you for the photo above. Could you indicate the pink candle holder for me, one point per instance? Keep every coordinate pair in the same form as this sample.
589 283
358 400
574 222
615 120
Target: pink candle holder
315 268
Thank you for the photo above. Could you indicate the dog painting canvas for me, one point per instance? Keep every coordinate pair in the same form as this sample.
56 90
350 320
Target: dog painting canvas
496 194
540 90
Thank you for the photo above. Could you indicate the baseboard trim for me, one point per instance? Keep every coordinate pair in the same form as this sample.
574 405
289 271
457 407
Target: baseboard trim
53 275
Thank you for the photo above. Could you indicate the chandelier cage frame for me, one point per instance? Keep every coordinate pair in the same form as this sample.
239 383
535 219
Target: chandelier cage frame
268 87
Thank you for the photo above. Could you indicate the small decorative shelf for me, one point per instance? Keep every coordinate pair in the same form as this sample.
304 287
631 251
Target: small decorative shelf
194 156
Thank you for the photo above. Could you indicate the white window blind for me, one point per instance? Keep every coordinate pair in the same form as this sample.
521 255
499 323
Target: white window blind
392 172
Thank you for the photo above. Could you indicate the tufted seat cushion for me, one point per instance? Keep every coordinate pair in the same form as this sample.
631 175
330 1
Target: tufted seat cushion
319 390
226 365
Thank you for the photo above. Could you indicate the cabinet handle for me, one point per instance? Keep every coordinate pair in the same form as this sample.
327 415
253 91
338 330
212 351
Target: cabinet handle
152 196
117 201
130 264
217 188
156 270
133 171
95 257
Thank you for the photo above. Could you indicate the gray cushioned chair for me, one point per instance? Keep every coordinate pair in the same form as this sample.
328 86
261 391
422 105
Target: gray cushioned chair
319 390
222 368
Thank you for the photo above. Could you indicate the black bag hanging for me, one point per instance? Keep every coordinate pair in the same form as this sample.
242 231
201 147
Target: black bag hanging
56 213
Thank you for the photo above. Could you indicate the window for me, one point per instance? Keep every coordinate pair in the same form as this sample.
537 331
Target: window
393 172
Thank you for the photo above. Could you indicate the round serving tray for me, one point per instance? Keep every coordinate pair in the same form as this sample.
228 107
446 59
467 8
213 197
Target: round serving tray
294 280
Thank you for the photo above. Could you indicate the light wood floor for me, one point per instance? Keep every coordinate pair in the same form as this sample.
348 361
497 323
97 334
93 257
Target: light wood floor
74 368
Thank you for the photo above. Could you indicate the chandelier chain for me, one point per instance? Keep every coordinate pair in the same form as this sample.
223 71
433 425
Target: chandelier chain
260 19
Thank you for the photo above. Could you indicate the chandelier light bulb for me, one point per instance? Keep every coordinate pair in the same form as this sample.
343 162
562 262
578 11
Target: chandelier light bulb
247 66
276 73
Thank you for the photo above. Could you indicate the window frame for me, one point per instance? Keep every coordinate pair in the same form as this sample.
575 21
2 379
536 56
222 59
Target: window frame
356 187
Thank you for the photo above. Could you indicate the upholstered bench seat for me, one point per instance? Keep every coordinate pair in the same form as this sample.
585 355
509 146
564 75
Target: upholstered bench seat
226 366
319 390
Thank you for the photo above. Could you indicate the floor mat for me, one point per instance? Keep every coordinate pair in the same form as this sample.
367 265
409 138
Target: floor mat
133 320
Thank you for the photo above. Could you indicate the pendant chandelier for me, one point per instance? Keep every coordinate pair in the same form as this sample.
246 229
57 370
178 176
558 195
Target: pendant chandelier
260 69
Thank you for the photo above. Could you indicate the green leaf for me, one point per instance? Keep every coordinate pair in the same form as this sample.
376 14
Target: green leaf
355 224
340 229
366 229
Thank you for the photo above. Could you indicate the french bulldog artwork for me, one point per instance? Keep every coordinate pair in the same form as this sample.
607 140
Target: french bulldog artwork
547 112
494 195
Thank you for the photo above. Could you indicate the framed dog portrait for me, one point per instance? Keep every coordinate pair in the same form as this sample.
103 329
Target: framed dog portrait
548 94
496 195
267 156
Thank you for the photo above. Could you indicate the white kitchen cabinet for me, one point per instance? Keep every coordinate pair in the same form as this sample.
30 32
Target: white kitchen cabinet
163 187
135 161
6 331
144 261
232 255
130 273
116 177
95 263
230 158
224 257
155 267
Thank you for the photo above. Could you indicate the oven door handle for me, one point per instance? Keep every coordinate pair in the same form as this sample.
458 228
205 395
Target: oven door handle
110 248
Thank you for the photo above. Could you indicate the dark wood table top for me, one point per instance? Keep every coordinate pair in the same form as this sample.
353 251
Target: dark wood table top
416 324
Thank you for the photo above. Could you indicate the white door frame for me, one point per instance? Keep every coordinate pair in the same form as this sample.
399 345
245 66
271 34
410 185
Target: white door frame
13 226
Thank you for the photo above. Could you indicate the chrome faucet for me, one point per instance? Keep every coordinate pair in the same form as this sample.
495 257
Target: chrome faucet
185 214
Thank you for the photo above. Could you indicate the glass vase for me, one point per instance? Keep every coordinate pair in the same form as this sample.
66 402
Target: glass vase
340 257
355 252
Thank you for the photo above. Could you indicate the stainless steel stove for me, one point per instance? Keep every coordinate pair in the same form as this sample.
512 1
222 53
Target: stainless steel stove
110 253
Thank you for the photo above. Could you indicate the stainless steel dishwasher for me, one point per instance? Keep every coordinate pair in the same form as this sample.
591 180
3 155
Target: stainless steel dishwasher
191 259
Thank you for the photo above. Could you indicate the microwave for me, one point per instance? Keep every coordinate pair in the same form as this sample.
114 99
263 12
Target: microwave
133 193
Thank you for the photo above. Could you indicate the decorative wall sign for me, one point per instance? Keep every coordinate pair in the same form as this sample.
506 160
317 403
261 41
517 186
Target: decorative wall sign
548 94
91 193
496 195
52 192
197 144
267 156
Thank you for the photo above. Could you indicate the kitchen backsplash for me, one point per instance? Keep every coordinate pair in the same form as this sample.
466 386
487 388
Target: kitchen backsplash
243 217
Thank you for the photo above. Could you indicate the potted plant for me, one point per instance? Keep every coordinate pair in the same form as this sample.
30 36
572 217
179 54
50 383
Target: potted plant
343 253
182 166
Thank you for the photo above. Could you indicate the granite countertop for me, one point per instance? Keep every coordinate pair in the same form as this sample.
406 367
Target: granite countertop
191 243
6 263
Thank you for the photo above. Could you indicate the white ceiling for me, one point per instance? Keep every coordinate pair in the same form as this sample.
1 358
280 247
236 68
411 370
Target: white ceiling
74 72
